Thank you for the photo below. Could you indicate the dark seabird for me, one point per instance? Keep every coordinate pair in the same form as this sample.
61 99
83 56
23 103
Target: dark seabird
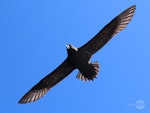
79 58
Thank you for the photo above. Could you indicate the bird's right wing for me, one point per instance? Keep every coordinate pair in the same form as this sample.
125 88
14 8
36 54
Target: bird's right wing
48 82
112 28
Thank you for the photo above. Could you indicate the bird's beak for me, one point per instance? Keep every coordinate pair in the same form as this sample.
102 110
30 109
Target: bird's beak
67 46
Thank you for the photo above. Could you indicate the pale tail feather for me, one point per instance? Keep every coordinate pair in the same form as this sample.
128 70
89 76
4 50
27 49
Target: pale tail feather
96 69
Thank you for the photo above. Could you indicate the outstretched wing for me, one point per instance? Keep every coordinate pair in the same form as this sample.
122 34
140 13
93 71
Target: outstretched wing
48 82
112 28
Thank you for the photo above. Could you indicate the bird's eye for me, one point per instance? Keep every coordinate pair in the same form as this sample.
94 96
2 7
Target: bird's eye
68 46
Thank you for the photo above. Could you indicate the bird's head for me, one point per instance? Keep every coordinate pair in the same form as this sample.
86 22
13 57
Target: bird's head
71 48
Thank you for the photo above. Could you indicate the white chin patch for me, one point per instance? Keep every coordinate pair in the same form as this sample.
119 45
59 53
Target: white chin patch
67 46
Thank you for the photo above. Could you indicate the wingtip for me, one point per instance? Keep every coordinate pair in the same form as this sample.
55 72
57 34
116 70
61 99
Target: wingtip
133 6
124 18
33 95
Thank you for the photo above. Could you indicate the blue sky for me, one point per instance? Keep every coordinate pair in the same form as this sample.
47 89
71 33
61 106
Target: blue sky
33 37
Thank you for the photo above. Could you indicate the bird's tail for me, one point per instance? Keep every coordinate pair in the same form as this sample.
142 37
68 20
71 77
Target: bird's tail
95 67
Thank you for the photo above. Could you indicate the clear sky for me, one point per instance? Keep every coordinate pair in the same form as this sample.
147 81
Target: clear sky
33 35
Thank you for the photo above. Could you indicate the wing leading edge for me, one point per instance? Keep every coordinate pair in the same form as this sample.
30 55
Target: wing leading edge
48 82
112 28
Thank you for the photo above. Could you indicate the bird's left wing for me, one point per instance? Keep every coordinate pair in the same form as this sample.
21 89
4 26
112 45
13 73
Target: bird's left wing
48 82
112 28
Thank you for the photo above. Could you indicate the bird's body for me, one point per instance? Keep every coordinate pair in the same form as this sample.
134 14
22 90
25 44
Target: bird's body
79 58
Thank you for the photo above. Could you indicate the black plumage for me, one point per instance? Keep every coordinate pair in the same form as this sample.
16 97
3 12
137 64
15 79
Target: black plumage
79 58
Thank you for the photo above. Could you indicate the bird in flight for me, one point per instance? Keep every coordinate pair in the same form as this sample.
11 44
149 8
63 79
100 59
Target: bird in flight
79 58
